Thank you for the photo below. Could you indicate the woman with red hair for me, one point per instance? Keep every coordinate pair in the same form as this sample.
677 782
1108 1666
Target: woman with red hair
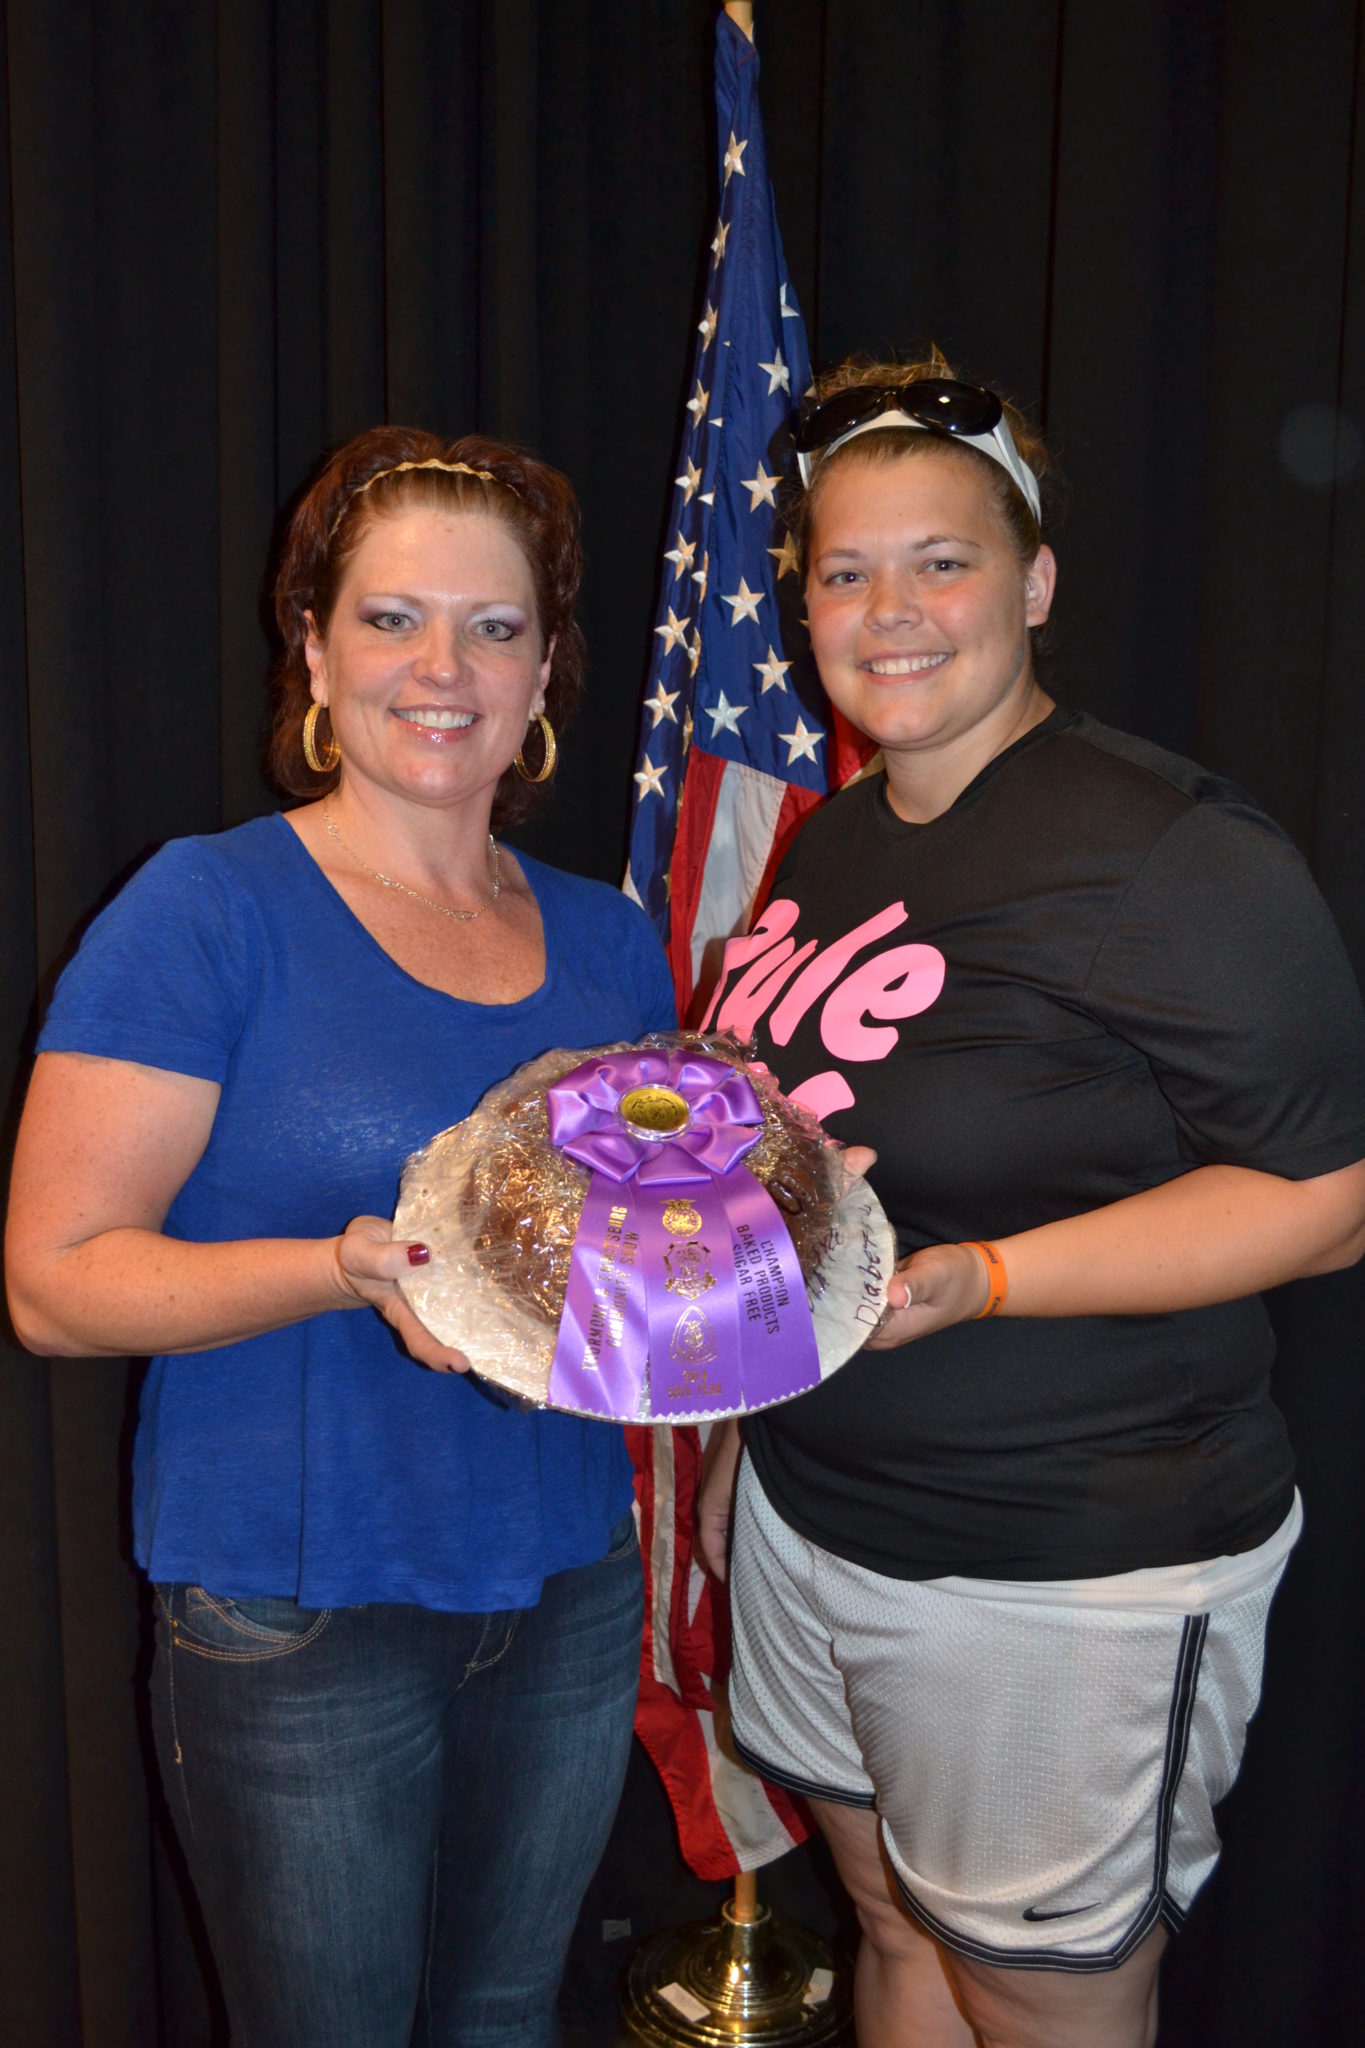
398 1620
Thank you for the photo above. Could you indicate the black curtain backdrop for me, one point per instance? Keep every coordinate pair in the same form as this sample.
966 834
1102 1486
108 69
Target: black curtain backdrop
238 233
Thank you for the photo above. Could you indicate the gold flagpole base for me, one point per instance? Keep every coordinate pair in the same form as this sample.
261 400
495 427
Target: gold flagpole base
744 1978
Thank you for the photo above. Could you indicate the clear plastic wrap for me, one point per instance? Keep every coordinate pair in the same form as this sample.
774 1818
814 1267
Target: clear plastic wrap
498 1205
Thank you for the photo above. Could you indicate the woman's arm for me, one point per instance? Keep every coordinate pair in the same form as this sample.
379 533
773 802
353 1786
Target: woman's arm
1215 1234
104 1146
715 1501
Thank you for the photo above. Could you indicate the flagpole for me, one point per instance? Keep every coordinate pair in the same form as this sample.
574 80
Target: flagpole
744 1904
748 1979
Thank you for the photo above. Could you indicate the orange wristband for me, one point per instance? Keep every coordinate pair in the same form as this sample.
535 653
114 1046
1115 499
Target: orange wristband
995 1274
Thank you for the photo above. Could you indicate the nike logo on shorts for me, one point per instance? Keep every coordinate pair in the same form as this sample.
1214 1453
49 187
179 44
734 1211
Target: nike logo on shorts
1065 1913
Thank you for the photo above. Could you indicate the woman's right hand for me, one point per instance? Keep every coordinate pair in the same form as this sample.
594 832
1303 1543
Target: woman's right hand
715 1502
369 1265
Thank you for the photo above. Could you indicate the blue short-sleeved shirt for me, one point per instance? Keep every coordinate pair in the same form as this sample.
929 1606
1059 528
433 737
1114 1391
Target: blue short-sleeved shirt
319 1461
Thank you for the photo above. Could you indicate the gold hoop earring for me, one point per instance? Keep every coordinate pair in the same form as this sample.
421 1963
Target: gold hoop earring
551 749
321 764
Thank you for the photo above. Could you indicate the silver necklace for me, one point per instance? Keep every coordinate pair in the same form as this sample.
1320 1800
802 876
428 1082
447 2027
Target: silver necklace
460 916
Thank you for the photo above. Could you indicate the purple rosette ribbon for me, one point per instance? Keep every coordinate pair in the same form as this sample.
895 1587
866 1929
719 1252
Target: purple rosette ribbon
683 1272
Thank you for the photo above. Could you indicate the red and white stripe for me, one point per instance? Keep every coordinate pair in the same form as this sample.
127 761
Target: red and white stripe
728 1820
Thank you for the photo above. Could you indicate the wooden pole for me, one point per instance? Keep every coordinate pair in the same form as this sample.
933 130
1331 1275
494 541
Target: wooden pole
744 1906
741 13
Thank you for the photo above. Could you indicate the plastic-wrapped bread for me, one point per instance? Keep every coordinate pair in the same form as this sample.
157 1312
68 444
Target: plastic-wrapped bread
649 1231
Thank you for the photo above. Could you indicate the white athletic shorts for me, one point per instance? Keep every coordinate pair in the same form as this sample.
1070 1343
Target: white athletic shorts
1045 1758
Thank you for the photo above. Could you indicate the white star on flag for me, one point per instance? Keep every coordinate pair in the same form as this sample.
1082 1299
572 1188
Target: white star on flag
681 556
699 576
760 489
778 373
650 778
689 480
725 716
722 237
696 404
785 556
772 671
661 704
788 312
706 327
733 156
694 652
674 634
687 727
744 604
801 743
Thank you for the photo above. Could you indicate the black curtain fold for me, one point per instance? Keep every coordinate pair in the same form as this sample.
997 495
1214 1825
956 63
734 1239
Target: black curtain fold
235 234
1280 282
1128 358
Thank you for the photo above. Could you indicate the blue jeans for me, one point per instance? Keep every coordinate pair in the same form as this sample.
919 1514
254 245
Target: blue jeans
391 1815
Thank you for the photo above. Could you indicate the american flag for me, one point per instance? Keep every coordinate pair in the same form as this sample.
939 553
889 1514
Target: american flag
737 744
728 1819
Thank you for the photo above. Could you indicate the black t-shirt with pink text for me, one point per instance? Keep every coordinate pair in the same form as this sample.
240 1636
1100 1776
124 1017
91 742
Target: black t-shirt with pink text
1100 969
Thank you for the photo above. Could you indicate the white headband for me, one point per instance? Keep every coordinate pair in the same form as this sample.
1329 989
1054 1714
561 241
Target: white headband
998 444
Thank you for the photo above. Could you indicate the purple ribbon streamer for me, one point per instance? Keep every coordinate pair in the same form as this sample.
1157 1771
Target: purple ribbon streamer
681 1263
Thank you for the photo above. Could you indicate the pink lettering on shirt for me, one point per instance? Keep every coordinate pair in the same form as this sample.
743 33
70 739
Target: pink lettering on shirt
776 921
754 991
823 1094
898 982
826 968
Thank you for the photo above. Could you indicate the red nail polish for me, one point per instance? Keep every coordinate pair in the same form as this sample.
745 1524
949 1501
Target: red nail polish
418 1255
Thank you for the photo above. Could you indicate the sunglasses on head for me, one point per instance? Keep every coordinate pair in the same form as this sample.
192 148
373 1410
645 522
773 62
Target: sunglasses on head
937 405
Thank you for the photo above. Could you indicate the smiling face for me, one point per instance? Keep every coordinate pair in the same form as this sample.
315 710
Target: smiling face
431 665
919 610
